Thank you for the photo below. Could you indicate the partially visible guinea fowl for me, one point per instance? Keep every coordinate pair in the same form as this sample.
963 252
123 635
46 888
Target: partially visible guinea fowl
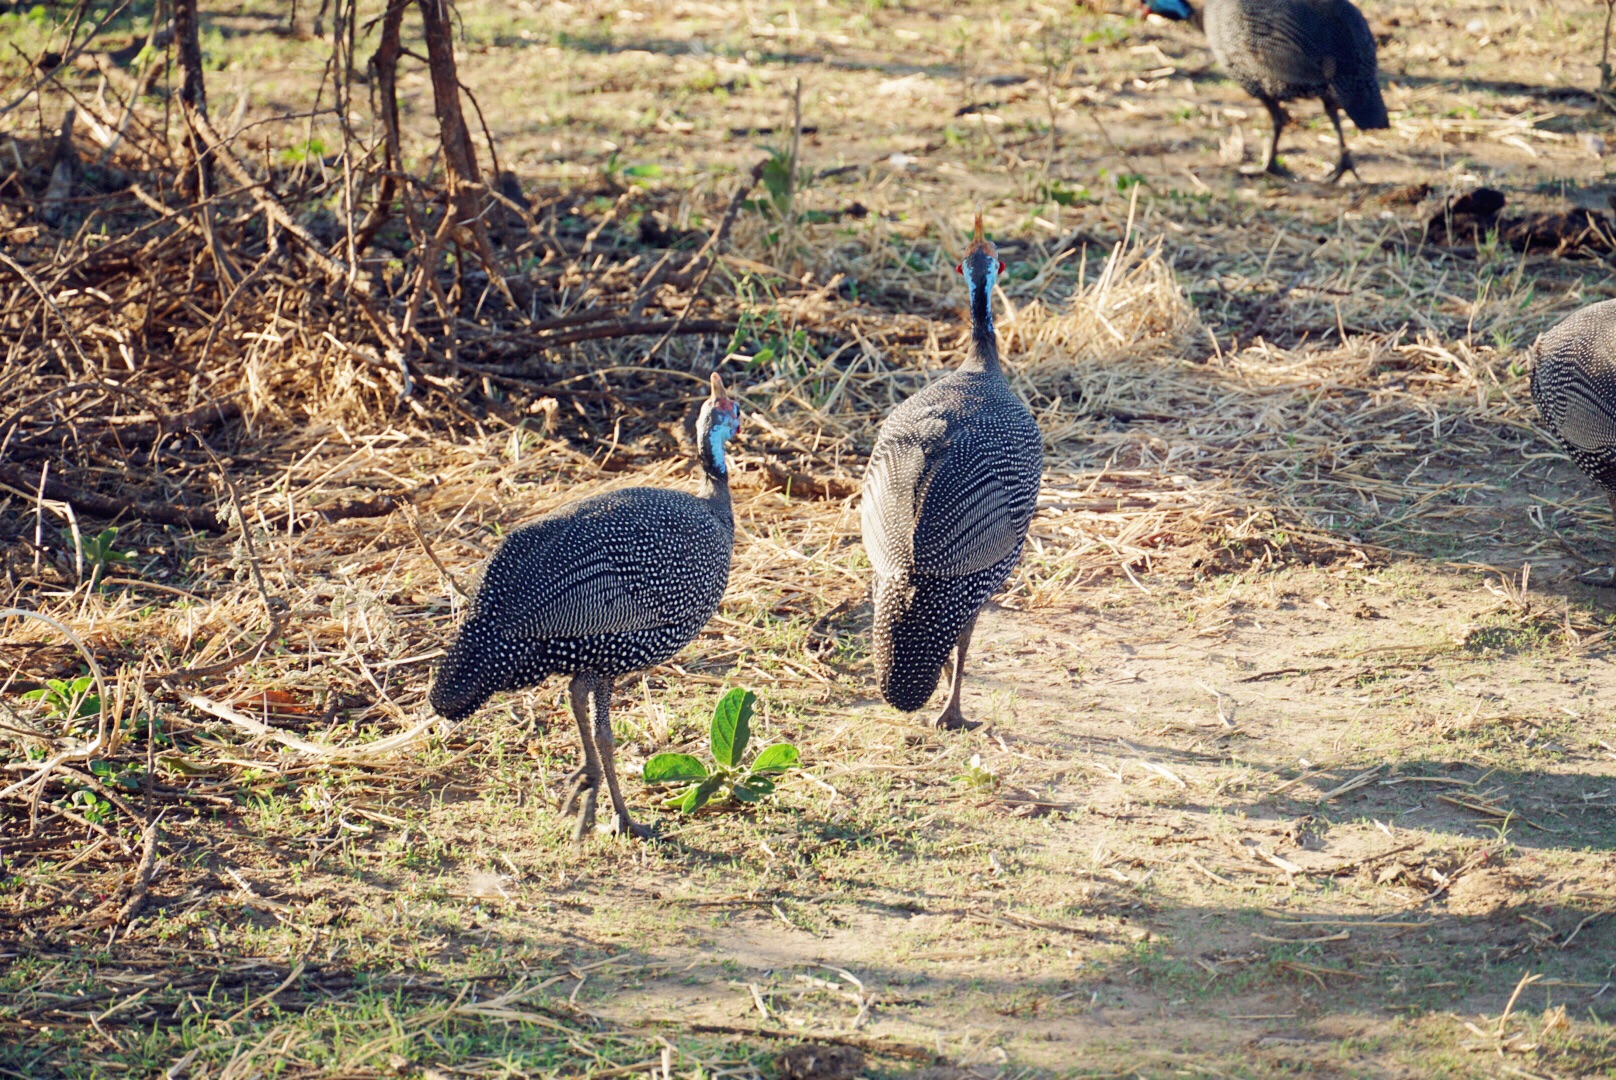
604 586
1279 50
951 486
1574 389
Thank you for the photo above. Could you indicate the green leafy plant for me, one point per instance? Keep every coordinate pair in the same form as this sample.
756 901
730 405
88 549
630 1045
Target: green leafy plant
731 731
976 775
782 180
304 152
67 699
127 777
619 173
88 804
100 552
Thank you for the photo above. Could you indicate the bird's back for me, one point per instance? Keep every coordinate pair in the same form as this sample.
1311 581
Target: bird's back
604 585
1283 49
1574 387
948 495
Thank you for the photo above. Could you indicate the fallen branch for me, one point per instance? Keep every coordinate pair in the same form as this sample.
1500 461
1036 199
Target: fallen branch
666 327
258 728
109 508
143 876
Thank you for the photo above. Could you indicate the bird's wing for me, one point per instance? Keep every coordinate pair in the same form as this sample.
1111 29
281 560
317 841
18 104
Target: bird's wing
1346 47
978 500
1288 43
907 451
1587 423
580 573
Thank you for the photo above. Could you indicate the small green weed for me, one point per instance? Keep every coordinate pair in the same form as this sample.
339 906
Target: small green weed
100 552
731 730
67 699
304 152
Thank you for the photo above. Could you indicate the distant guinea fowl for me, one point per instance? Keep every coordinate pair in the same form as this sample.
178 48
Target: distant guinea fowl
604 586
951 486
1574 388
1284 49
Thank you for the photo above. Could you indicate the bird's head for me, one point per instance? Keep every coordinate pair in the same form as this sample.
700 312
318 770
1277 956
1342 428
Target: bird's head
720 419
1178 10
980 266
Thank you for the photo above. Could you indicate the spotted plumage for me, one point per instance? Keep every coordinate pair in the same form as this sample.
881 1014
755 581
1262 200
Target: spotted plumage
1280 50
950 489
1574 388
603 586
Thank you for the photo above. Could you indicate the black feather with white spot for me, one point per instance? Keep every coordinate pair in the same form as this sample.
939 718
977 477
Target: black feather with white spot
1574 388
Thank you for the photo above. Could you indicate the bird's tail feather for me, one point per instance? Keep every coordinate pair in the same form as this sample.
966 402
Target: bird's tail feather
461 683
1362 102
916 625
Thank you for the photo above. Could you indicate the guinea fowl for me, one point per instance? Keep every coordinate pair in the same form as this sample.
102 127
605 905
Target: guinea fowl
614 583
1284 49
951 486
1574 389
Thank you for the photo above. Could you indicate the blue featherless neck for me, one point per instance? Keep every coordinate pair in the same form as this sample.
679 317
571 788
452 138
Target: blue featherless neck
984 345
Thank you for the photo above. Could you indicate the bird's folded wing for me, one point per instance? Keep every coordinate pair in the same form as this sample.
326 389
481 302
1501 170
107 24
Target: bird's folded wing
893 483
566 582
1588 424
975 507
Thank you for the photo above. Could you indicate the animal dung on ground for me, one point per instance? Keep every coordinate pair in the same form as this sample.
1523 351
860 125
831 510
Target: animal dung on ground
1466 220
816 1061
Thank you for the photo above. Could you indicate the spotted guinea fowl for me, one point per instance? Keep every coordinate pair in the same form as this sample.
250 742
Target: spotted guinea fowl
951 486
1284 49
603 586
1574 389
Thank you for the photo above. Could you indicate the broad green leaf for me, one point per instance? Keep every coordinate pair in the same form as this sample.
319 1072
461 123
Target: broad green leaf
776 758
761 785
732 726
744 794
674 769
697 796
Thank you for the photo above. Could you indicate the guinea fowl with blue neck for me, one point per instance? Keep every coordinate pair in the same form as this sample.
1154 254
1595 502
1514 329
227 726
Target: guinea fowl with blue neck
950 489
614 583
1279 50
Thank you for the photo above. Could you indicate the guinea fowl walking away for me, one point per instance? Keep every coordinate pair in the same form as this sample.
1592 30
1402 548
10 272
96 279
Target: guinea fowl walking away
1284 49
604 586
951 486
1574 389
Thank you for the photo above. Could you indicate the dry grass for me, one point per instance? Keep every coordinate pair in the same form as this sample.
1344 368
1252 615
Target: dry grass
1254 401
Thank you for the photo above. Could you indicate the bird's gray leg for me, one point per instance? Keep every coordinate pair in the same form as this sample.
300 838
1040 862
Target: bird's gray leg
604 747
952 719
586 781
1344 164
1276 114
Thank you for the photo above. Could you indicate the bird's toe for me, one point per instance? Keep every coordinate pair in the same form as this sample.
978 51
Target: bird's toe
954 720
626 826
584 823
576 784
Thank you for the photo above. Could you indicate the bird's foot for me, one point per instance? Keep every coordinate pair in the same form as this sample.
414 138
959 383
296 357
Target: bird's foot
1342 167
584 823
954 720
623 825
1273 167
576 782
